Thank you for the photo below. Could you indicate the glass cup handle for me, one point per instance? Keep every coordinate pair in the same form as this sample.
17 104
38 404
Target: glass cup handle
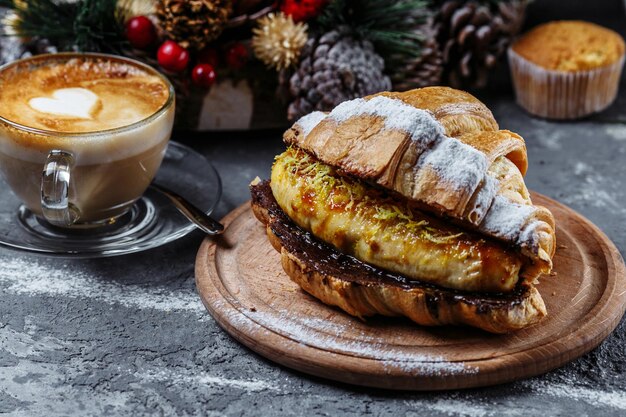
55 189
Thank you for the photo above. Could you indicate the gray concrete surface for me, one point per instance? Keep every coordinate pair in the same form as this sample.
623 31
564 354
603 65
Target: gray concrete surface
129 336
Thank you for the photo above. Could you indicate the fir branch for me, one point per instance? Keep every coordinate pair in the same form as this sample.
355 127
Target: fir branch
333 15
43 17
84 25
99 26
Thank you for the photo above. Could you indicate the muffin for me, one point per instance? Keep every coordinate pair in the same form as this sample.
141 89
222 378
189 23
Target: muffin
566 69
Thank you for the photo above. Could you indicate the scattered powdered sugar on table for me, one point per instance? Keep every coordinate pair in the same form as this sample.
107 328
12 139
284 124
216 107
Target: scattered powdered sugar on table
574 392
32 277
166 375
595 188
448 405
326 335
616 131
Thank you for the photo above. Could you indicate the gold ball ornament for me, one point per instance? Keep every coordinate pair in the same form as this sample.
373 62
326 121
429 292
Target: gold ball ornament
139 7
278 40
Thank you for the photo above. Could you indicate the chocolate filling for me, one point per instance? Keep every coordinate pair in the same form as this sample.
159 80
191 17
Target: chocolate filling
327 260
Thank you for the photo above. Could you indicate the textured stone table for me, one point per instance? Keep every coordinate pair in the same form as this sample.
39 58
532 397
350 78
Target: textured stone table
129 335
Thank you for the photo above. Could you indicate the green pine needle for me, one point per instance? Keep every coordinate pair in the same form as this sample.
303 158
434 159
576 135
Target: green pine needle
99 26
85 25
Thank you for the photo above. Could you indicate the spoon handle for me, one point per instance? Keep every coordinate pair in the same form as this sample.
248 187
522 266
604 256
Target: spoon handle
203 221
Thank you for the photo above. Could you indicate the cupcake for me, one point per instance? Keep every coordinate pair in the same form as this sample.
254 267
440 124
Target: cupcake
566 69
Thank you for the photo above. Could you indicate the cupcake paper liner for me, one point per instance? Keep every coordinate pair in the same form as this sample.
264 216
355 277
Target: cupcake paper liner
562 94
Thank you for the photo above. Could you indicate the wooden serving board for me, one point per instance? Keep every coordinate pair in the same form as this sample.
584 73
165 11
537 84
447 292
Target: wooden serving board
242 284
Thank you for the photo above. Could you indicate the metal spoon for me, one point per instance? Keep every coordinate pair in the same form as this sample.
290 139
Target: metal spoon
202 220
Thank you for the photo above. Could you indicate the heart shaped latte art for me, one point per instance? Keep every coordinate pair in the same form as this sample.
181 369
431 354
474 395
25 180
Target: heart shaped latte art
73 102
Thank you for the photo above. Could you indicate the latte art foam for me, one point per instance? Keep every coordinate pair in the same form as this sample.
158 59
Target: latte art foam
71 102
80 95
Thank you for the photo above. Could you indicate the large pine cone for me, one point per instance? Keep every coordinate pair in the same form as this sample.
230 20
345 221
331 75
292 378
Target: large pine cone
334 68
474 35
423 70
193 23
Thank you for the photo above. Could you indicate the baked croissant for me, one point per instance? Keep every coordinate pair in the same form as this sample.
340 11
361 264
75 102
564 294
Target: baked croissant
419 185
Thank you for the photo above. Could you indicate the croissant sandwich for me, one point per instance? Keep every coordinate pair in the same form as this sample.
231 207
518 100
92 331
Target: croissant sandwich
410 204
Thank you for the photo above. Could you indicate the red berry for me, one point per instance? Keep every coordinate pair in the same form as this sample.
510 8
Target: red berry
172 56
203 75
302 10
140 32
209 56
237 56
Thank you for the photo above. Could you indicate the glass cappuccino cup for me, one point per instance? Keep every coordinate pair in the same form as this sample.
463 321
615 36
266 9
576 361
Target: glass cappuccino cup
82 135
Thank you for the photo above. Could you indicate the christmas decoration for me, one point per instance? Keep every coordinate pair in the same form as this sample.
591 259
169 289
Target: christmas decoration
237 56
140 32
415 71
473 36
138 7
85 25
280 56
247 12
335 67
401 32
10 24
277 40
209 56
389 25
203 75
302 10
193 23
173 57
11 48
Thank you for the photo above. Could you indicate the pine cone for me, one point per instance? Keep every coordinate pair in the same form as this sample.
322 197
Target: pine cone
193 23
474 35
423 70
333 68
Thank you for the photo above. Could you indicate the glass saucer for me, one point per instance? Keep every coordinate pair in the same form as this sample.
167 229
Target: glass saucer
152 221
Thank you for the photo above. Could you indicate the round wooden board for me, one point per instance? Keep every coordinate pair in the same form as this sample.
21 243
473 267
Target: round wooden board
242 284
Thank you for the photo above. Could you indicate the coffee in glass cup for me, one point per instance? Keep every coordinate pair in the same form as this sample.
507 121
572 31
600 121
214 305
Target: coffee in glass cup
82 135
